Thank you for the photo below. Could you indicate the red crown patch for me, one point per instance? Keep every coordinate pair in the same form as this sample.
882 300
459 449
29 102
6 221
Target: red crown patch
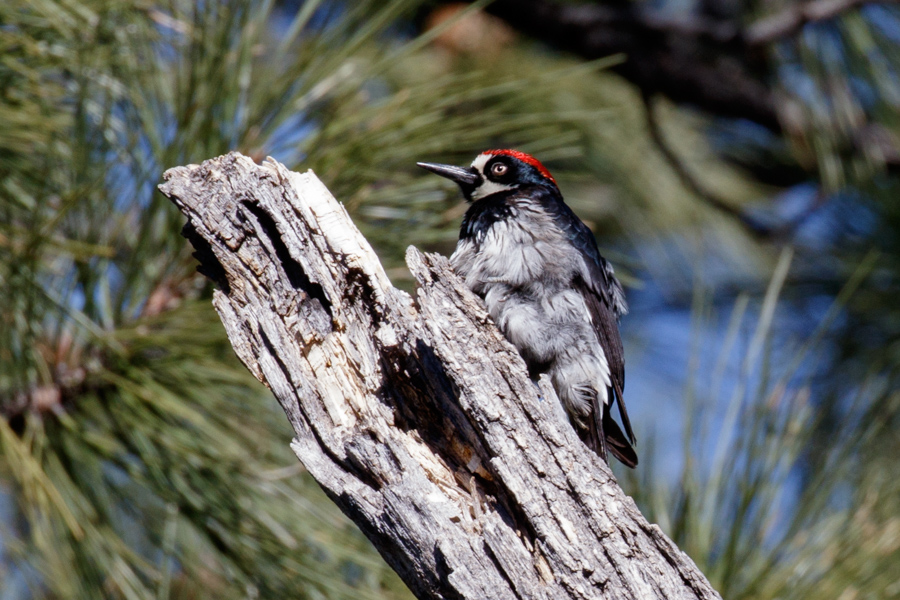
525 158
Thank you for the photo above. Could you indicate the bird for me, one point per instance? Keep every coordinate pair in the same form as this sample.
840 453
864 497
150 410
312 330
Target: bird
537 267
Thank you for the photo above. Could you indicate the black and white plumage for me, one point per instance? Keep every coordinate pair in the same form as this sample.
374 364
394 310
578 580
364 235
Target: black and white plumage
548 289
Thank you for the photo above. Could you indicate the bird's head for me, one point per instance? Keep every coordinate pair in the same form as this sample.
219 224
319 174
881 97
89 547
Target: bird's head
494 171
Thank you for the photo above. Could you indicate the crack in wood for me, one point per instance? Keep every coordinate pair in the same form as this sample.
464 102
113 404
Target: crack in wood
209 265
294 271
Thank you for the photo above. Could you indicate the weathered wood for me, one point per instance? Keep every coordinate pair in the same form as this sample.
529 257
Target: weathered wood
414 414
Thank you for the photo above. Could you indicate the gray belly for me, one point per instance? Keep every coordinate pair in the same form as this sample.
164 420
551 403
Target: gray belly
526 283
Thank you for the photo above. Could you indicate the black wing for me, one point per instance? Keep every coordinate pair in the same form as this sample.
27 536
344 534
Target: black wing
605 300
608 433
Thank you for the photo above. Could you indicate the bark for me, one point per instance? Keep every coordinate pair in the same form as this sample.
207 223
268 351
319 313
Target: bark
414 413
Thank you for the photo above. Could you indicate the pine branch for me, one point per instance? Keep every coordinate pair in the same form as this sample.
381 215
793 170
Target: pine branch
414 414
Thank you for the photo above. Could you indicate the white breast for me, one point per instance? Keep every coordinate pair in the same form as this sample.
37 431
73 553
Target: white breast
523 268
517 251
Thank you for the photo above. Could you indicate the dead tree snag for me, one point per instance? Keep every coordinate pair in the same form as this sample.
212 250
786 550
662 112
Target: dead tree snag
414 414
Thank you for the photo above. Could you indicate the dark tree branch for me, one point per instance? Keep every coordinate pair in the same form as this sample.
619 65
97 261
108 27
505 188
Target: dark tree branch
695 62
691 182
754 226
715 64
413 413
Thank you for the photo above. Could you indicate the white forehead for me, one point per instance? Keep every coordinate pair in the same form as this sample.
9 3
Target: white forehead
481 160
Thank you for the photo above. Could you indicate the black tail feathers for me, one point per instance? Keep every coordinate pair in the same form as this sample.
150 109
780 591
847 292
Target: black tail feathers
620 447
604 436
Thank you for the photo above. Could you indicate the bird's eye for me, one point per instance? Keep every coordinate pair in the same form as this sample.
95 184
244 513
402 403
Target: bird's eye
499 169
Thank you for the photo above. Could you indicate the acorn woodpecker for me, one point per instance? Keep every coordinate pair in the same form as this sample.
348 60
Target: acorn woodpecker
538 269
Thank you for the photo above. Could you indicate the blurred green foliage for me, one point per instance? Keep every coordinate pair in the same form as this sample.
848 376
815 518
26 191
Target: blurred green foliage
762 515
139 460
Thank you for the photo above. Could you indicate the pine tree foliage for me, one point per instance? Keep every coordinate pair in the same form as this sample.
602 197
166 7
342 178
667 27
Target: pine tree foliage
766 507
139 460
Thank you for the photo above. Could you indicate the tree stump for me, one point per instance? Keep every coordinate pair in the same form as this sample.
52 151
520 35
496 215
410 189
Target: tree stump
415 415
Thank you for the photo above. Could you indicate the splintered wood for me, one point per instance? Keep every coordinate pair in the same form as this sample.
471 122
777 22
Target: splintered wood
414 414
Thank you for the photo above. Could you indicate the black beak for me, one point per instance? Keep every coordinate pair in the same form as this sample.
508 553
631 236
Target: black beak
461 175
